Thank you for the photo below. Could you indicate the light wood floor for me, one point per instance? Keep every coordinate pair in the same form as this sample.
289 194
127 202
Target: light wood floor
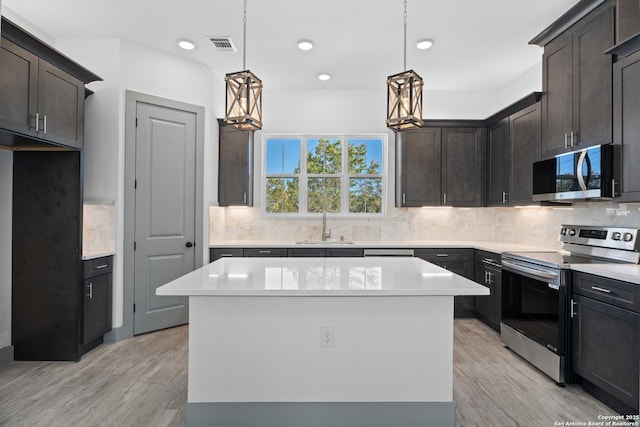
143 382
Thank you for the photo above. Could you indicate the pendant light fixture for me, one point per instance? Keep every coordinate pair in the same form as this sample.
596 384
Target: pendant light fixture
243 106
404 94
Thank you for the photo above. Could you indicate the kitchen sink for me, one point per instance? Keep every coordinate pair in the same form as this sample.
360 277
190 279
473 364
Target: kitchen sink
324 242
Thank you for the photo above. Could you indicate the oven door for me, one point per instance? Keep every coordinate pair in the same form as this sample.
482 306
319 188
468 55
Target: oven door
534 304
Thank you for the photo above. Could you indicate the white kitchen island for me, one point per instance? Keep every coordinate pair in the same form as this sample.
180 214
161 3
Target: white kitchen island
321 342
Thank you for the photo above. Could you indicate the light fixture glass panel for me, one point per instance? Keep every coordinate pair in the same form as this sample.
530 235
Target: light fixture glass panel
243 109
404 100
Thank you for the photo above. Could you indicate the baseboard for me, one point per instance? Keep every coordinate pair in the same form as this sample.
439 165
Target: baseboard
6 355
321 414
117 334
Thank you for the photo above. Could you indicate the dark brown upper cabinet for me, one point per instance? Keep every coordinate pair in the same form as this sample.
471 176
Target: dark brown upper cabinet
577 83
626 126
440 166
525 138
41 93
498 163
235 171
418 167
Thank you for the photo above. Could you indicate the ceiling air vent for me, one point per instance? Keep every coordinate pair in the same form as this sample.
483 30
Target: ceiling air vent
223 43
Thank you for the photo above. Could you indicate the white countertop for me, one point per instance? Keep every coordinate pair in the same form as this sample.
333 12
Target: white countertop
321 277
625 272
96 254
496 247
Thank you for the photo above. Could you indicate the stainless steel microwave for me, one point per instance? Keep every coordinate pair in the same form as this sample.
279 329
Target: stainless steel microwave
582 174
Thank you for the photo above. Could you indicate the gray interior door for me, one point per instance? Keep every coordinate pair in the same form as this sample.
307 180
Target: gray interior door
164 212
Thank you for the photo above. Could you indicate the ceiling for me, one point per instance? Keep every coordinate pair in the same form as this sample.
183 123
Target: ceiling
479 45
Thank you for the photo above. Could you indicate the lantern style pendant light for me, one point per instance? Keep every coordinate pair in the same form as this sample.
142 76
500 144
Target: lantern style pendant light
243 107
404 94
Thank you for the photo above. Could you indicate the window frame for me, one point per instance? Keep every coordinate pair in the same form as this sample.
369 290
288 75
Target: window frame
344 176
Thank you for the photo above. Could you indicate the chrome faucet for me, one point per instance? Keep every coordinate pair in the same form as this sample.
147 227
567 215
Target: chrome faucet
325 235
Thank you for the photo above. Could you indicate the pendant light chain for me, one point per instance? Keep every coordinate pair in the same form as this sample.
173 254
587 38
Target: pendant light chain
405 35
244 36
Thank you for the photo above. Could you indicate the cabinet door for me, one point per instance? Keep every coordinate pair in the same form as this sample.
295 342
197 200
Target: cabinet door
485 303
627 19
97 307
344 252
557 101
592 79
235 171
626 97
418 168
463 173
524 128
18 88
60 106
606 342
498 164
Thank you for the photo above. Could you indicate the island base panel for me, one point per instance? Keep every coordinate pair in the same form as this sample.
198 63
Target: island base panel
322 414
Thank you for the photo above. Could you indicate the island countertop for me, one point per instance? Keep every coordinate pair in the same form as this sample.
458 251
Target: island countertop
321 277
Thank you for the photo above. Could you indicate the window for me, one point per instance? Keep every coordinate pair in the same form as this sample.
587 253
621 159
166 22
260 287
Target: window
308 175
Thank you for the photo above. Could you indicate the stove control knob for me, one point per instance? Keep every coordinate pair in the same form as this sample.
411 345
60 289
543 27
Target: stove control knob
572 232
627 237
563 231
616 235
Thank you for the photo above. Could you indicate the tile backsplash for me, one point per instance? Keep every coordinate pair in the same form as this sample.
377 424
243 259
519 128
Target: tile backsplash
530 226
98 228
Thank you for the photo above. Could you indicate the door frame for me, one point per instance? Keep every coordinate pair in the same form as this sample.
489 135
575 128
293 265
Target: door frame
131 100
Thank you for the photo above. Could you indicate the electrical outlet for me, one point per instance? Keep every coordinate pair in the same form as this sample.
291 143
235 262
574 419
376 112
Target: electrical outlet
327 338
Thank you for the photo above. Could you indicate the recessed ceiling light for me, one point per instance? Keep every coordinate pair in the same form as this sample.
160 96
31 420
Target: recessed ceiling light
324 77
305 45
186 44
424 44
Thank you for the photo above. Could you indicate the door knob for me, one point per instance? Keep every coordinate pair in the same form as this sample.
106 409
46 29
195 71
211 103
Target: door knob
189 244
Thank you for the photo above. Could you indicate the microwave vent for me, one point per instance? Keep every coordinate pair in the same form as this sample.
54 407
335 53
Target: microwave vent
223 43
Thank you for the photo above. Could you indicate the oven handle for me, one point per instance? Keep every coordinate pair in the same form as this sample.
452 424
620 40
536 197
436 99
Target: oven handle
532 271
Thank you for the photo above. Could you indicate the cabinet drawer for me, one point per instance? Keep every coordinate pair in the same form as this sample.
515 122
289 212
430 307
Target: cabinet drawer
445 255
97 266
266 252
306 252
345 252
621 294
217 253
487 259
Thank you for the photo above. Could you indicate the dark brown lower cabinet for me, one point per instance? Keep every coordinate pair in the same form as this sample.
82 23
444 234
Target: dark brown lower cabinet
97 306
606 340
459 261
488 272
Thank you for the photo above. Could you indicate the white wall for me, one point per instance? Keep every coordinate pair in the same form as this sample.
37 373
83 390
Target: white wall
6 194
127 66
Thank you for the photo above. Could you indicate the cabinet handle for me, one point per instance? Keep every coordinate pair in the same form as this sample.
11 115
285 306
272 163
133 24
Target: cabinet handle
404 198
442 255
489 282
37 122
444 197
226 255
45 123
504 197
264 252
571 139
90 294
100 267
244 199
606 291
613 188
573 312
486 277
566 141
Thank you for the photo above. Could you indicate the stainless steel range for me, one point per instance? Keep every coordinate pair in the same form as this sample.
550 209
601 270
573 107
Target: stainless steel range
536 292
